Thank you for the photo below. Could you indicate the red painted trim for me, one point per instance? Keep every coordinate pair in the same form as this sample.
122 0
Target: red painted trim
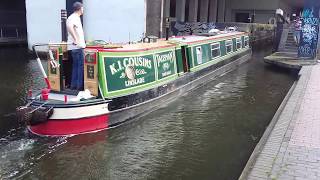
71 127
132 50
101 49
94 47
48 83
94 55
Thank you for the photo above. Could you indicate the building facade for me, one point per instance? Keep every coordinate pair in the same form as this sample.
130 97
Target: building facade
123 21
113 21
244 11
12 22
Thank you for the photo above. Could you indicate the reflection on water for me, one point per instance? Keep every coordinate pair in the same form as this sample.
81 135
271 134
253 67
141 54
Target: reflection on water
207 134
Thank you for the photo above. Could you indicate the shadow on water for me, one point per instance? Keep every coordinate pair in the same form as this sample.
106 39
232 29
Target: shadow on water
18 74
206 134
13 82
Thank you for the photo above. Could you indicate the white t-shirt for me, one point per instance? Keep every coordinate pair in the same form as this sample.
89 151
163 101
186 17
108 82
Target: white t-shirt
75 21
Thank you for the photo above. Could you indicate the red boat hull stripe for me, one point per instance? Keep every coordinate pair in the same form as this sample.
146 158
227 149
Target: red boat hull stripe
71 127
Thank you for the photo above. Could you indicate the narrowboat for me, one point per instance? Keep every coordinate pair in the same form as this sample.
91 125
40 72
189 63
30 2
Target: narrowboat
123 82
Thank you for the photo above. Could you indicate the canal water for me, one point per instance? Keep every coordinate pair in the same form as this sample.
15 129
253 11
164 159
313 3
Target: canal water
206 134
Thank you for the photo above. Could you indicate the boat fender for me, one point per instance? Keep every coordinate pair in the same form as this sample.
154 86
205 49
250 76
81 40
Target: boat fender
41 115
24 114
33 115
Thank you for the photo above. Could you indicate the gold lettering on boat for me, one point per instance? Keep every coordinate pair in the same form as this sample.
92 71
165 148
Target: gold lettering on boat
134 82
130 61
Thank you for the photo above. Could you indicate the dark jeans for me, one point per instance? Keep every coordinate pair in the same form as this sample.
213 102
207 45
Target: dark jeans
77 69
279 31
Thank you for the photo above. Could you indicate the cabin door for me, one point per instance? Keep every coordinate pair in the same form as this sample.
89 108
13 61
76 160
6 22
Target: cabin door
54 68
199 55
59 67
186 66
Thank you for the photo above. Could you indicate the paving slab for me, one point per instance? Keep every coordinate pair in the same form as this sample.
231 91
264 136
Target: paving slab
290 147
288 60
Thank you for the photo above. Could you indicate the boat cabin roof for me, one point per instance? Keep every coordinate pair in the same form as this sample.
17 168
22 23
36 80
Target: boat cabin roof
197 38
162 43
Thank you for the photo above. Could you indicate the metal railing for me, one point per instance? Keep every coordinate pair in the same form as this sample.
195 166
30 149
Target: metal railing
12 32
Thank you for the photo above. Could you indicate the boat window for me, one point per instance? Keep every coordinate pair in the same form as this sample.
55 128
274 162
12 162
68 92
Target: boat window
239 43
246 41
215 50
229 45
199 55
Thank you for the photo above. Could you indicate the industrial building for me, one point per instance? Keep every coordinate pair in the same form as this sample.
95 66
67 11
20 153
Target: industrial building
244 11
123 21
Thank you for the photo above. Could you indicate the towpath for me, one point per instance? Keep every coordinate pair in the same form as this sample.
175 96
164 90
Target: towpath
290 147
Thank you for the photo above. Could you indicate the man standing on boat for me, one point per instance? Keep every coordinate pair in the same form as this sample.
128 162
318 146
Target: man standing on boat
76 44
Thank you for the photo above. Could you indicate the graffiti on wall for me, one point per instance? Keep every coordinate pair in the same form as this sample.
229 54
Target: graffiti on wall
185 28
309 33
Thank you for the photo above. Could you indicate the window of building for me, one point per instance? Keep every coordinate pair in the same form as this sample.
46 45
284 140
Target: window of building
239 43
215 50
243 17
229 46
173 8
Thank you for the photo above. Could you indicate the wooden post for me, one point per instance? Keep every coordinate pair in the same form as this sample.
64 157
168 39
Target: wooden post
167 27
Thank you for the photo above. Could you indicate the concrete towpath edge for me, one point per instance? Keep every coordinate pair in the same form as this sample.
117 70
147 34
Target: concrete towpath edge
257 150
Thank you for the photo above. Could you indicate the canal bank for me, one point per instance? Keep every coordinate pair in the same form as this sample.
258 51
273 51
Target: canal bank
289 148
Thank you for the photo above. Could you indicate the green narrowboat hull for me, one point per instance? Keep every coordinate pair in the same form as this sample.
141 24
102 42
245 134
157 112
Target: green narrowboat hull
133 80
155 67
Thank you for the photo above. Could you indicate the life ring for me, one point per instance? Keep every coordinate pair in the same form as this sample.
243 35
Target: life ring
272 21
130 72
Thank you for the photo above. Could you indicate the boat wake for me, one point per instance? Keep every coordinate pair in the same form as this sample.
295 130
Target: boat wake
20 151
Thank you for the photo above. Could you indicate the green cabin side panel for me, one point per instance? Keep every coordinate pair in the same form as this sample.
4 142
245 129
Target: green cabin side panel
234 41
223 48
197 61
101 75
189 56
201 54
206 52
123 73
242 41
179 60
166 64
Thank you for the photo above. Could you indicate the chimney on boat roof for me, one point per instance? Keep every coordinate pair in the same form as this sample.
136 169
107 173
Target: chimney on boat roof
64 25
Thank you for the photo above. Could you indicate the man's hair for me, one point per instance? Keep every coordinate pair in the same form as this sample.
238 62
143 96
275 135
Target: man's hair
77 6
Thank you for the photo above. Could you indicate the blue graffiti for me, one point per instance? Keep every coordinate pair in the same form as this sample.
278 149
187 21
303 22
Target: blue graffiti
309 33
307 13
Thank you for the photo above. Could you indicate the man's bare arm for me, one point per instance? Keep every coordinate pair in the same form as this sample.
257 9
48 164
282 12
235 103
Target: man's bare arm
70 28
